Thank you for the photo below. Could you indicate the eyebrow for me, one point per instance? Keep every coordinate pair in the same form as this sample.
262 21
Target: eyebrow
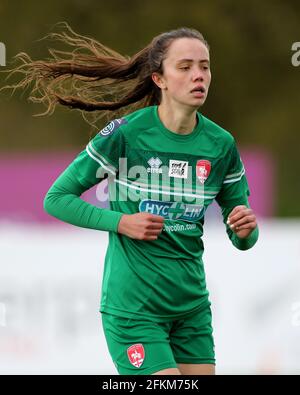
192 60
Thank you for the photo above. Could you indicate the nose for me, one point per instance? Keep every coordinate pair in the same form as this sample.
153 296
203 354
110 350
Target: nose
198 76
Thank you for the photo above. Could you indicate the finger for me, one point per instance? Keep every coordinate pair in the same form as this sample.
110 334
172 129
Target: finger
155 232
156 218
155 225
150 238
243 213
236 210
250 225
242 221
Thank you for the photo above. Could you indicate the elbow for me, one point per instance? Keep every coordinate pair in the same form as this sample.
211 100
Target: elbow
47 204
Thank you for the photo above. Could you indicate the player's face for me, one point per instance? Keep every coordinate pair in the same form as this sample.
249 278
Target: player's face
186 73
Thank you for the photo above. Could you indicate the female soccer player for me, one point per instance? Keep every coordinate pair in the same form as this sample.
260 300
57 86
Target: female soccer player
165 163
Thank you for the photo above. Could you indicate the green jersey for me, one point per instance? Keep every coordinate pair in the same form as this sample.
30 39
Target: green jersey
152 169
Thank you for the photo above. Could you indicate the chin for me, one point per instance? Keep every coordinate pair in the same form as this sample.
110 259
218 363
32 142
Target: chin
200 102
197 103
194 104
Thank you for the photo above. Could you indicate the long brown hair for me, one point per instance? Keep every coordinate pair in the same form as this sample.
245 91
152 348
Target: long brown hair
93 77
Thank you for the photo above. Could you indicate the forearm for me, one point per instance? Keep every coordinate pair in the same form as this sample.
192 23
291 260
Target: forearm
243 243
63 202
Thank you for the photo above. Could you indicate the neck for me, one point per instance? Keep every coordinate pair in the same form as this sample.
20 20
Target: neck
179 120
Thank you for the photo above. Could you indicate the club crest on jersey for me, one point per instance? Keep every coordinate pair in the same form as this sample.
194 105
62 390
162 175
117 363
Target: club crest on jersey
136 355
203 167
112 126
178 168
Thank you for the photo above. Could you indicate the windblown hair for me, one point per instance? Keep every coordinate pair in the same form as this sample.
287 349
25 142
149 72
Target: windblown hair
93 78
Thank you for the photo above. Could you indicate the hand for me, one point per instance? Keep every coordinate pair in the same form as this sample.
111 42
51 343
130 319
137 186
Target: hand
242 221
141 226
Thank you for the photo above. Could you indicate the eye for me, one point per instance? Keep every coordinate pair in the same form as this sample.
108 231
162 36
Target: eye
184 68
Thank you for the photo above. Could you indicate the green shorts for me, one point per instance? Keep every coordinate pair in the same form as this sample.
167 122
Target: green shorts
145 347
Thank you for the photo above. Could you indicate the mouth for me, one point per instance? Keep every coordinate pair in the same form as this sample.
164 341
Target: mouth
198 92
199 89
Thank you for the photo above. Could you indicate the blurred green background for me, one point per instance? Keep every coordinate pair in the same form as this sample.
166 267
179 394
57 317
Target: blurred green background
254 92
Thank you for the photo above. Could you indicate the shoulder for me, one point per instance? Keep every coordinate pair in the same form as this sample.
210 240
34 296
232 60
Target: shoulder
140 115
138 121
112 127
221 136
129 123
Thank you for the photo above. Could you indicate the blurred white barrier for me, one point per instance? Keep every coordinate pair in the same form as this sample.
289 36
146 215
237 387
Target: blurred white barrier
50 283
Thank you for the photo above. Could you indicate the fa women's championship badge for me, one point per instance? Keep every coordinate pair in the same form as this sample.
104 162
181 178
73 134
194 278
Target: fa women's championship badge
112 127
203 168
136 355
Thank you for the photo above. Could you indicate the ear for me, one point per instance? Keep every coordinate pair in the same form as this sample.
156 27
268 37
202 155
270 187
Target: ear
158 80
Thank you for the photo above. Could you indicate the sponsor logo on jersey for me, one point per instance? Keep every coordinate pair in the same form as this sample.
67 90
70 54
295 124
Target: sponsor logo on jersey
172 210
136 355
112 126
203 167
154 164
178 168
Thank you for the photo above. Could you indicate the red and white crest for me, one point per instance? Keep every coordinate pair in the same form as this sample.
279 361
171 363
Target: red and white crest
136 355
203 167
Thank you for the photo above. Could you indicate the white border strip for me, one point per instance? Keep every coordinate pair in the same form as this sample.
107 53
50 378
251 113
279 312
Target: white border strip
162 192
100 162
235 179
